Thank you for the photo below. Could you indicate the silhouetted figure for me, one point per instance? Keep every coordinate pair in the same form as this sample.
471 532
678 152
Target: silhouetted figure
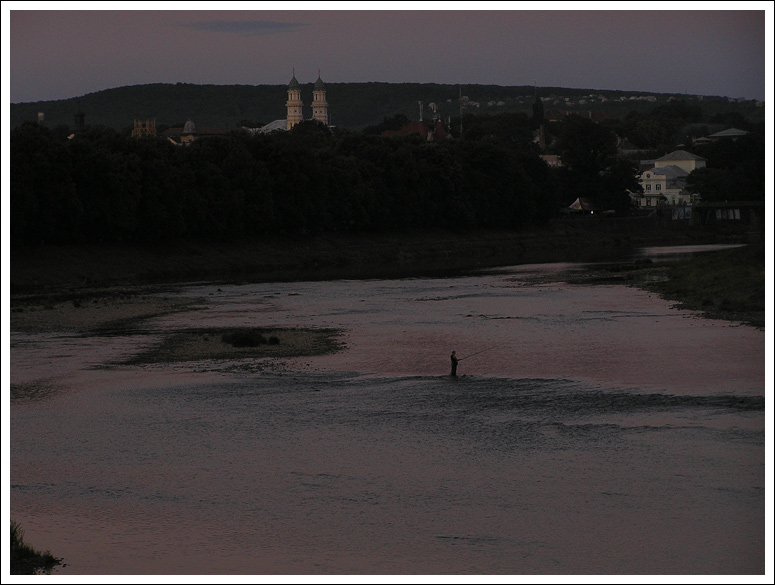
454 360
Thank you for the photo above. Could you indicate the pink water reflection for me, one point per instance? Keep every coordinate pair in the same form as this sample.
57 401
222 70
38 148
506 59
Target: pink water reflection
393 469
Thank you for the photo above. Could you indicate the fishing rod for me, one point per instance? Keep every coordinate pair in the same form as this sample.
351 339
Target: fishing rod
483 350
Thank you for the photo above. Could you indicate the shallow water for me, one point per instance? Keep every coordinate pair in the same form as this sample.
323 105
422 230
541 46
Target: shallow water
595 430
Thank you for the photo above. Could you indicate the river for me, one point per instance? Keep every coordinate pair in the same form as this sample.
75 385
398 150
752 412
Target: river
592 429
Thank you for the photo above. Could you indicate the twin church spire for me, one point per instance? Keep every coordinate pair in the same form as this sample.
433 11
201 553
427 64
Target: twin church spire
294 103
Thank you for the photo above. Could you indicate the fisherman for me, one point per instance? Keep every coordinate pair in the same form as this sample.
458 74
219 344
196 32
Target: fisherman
454 360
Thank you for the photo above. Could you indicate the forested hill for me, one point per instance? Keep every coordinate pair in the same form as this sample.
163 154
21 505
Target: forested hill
351 105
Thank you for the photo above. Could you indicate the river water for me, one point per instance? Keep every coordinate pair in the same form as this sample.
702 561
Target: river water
595 430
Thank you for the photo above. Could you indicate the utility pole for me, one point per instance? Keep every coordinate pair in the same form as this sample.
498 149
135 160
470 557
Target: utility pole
460 102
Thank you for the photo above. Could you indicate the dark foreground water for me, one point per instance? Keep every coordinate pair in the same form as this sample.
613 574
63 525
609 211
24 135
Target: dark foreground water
602 431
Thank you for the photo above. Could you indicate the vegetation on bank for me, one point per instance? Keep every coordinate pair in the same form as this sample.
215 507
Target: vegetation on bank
25 560
728 284
219 343
102 187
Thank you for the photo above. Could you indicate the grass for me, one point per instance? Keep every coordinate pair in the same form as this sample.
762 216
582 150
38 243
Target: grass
25 560
247 338
729 284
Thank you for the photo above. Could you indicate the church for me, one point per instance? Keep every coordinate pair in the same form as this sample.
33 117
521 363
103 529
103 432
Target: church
295 105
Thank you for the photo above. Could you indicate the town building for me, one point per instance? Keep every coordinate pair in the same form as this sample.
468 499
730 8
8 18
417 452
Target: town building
680 158
665 182
143 128
729 133
294 106
319 103
552 160
189 133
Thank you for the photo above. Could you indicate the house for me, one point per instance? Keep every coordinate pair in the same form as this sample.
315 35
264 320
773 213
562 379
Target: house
729 133
280 124
662 186
723 214
681 158
583 206
630 151
552 160
189 133
556 115
664 180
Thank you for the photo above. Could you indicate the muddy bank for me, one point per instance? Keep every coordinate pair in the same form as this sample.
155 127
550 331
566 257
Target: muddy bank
724 284
104 316
63 269
219 344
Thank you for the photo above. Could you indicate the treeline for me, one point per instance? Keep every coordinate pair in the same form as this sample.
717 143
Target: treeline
351 105
101 186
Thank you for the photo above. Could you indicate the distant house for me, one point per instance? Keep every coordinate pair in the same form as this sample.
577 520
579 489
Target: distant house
439 132
629 151
720 213
665 182
681 158
280 124
189 133
662 186
552 160
583 206
729 133
555 115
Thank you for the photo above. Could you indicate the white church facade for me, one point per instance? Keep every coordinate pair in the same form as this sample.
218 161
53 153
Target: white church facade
295 105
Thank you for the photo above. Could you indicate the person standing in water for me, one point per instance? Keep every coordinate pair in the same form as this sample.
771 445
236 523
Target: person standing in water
454 360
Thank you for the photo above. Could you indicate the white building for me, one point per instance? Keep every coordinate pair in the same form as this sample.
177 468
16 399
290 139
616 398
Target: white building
665 184
680 158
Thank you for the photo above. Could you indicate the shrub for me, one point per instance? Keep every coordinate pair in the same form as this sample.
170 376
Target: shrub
244 338
25 560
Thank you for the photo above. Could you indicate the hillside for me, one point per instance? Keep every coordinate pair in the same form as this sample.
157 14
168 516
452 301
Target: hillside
351 105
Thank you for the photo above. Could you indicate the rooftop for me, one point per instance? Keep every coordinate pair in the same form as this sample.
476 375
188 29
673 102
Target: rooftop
680 155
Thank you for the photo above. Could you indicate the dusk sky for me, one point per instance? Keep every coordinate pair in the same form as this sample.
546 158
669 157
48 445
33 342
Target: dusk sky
63 54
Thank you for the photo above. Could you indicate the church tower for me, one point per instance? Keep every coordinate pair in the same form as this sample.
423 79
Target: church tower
319 103
293 104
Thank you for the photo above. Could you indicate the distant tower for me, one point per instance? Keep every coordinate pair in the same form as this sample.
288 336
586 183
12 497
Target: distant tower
319 103
538 117
294 103
144 128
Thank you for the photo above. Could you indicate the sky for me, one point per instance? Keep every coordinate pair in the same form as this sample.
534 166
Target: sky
60 54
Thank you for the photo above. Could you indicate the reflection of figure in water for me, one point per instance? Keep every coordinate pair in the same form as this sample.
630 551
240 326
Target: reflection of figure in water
454 360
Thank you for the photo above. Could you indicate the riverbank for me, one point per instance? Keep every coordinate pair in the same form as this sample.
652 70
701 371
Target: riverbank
728 284
108 289
62 270
25 559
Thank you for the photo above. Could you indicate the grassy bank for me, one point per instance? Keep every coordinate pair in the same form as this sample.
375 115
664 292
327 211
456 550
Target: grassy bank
729 284
25 560
52 269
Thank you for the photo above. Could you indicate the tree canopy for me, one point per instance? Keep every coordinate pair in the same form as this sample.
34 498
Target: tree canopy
101 185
